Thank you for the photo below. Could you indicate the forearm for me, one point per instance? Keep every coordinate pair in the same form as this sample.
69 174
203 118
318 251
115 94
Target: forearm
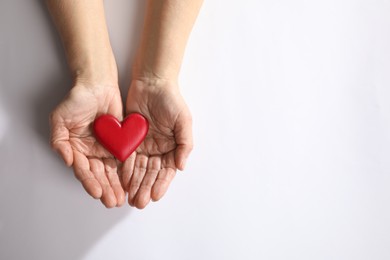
168 24
82 27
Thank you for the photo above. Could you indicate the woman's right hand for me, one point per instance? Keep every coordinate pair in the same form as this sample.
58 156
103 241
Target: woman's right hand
72 137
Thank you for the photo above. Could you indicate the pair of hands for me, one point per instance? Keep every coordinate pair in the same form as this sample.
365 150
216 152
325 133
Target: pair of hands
147 173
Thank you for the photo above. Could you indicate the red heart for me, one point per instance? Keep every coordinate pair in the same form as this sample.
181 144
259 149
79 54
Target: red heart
121 139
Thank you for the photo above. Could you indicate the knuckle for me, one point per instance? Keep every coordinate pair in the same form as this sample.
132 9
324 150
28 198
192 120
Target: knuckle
146 186
141 163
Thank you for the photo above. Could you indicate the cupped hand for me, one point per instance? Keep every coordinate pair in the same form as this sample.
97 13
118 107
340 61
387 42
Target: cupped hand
150 169
72 137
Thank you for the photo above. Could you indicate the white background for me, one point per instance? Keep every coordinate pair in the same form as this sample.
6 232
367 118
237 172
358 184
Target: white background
291 107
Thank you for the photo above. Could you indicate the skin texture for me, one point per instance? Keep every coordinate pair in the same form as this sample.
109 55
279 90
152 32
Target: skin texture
148 173
154 92
73 139
82 27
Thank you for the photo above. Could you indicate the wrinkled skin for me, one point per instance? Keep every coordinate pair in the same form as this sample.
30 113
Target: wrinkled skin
72 138
149 171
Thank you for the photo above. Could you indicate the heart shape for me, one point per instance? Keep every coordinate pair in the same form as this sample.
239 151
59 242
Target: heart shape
121 138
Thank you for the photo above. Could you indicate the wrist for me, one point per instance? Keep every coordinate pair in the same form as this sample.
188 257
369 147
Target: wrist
95 71
153 77
155 69
148 81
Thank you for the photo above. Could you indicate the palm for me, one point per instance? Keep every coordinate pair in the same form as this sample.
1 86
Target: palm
152 167
72 137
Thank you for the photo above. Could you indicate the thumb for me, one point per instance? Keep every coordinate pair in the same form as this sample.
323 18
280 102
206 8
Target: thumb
116 108
183 136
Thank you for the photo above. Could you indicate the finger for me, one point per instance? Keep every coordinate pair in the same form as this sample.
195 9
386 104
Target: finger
59 140
108 196
183 136
116 108
144 192
127 171
141 162
64 149
164 179
113 177
85 176
98 151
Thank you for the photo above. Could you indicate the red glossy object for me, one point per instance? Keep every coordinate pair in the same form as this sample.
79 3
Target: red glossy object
121 138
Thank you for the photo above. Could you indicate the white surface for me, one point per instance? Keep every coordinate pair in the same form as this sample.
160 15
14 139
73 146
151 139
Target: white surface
291 105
